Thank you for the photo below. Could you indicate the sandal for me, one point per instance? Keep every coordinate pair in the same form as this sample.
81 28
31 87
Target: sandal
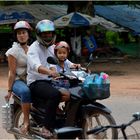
46 133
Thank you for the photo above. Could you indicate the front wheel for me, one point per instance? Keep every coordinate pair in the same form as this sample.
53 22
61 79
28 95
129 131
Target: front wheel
96 119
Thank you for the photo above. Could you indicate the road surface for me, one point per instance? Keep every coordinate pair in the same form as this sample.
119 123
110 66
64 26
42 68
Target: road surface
122 109
125 91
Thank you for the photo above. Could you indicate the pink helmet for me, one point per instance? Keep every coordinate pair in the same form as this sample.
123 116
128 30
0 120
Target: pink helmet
62 44
22 25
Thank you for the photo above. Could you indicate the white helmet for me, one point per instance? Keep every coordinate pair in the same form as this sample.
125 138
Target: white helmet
45 26
22 25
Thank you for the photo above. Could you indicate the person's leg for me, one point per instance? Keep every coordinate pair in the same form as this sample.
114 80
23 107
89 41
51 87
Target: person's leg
21 90
65 94
26 111
43 90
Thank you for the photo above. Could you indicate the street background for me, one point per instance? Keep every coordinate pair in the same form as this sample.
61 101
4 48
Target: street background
125 90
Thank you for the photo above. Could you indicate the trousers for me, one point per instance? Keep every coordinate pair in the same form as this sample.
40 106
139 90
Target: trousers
21 90
43 90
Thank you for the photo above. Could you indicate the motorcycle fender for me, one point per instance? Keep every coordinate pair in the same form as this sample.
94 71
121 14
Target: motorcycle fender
95 107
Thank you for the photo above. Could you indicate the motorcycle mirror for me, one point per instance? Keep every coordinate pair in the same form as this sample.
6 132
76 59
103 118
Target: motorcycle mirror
52 60
136 115
91 57
90 60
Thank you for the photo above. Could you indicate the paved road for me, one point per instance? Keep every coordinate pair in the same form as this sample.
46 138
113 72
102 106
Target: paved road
122 105
122 109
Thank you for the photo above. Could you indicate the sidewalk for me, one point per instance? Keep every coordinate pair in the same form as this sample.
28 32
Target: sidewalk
3 75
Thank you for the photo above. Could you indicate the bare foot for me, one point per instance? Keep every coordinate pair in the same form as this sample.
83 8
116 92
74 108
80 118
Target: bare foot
24 128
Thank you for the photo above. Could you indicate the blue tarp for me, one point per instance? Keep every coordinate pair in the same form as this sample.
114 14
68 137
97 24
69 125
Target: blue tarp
123 15
12 16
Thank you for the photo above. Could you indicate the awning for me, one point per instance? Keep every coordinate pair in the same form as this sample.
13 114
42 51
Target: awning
52 12
39 11
123 15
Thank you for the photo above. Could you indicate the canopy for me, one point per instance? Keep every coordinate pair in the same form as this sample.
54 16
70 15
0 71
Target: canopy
75 19
12 16
38 11
52 12
124 15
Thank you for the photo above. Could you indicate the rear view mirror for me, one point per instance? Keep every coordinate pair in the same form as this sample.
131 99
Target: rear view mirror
52 60
91 57
90 60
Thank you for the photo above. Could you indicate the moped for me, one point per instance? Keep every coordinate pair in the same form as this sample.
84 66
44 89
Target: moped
80 114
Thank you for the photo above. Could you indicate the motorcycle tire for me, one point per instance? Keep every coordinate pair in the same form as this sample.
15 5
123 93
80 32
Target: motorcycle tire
98 118
18 120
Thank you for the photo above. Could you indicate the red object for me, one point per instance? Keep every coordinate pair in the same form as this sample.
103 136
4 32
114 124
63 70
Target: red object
84 51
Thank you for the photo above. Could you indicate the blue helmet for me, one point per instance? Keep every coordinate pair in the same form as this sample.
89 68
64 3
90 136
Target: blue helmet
45 26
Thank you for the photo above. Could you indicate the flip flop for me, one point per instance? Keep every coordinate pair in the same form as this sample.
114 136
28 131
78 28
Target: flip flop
46 133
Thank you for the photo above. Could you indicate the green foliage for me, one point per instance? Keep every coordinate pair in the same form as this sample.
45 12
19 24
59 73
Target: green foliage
113 38
6 3
60 32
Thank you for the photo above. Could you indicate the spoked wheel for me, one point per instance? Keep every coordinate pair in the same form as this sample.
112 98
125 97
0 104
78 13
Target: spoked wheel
96 119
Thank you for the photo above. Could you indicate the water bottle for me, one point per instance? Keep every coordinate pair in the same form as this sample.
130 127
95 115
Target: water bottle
105 78
81 74
7 116
99 80
88 80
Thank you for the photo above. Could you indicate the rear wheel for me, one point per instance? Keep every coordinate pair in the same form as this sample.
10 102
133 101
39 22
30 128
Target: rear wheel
95 119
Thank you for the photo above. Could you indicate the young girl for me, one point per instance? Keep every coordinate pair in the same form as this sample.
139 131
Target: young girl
61 51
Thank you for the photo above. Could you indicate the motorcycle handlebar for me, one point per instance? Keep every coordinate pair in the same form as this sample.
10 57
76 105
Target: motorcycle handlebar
80 68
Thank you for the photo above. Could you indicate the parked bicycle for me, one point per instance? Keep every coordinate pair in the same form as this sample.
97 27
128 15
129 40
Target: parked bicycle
101 130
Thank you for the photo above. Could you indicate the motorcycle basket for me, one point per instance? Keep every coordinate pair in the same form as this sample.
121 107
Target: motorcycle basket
97 91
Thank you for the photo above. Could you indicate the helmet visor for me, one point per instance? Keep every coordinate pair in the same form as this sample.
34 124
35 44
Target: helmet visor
47 36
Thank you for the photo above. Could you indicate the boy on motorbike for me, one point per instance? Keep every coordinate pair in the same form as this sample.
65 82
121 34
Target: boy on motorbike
61 51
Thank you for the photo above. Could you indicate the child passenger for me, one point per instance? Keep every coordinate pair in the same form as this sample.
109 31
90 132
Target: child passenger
62 51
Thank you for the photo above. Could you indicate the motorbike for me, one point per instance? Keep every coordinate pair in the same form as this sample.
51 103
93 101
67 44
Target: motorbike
80 114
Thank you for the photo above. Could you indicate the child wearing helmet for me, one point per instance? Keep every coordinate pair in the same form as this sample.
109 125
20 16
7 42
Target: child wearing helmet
17 62
61 51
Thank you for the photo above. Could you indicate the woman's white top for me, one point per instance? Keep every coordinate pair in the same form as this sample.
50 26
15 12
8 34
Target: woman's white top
21 59
37 56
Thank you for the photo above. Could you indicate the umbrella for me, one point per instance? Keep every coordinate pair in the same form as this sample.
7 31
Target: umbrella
9 17
75 19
